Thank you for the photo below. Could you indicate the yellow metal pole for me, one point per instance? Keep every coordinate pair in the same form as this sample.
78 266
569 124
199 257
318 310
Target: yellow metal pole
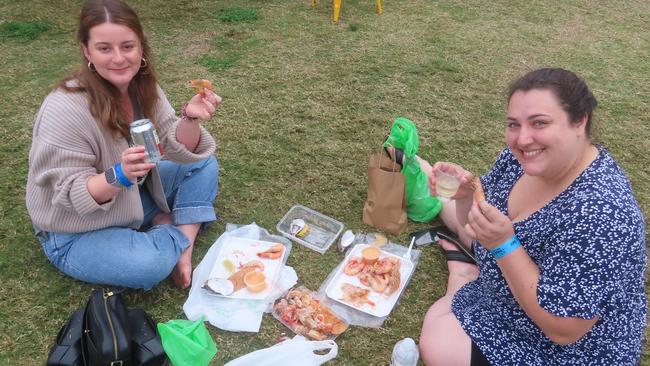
337 11
379 7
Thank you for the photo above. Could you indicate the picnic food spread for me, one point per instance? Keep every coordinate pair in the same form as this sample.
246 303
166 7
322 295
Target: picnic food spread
362 289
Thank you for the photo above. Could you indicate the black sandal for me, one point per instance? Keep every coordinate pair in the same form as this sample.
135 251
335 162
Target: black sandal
457 255
432 235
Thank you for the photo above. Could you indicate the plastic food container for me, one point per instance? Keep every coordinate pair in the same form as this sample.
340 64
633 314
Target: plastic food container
377 304
255 281
323 230
302 311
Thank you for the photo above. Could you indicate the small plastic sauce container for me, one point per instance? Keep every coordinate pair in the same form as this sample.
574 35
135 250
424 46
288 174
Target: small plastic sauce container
370 254
255 281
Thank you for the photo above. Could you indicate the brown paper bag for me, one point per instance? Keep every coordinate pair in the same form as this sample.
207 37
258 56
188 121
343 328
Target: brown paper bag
385 208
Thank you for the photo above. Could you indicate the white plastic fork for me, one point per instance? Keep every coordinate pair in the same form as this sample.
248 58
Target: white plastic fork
408 252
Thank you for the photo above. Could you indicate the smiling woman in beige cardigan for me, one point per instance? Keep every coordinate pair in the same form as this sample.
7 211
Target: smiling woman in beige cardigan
101 212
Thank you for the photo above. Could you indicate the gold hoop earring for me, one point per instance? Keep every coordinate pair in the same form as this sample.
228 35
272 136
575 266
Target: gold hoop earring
144 70
91 66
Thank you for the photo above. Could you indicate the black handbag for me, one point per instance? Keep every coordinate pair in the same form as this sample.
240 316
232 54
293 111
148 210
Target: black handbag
67 349
107 337
146 346
101 334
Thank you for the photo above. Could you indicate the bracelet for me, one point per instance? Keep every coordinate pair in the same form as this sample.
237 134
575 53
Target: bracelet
506 248
121 177
185 116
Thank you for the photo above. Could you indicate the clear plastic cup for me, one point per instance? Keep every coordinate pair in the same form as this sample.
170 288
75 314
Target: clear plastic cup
447 181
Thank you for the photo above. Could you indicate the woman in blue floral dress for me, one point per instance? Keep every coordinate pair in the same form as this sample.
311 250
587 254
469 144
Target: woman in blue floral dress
559 242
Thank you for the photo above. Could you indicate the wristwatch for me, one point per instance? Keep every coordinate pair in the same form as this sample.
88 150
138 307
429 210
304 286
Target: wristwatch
111 178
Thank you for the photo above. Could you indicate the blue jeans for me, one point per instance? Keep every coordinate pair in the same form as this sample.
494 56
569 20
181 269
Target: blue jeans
121 256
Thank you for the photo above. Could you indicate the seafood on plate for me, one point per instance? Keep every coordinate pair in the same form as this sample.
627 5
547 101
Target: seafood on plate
237 278
382 275
199 85
305 314
274 252
355 295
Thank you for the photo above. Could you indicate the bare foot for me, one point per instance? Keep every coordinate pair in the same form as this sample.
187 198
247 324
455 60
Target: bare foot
162 218
182 273
463 270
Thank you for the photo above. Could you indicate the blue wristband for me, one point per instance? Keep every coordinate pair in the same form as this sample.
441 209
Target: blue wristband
121 177
506 248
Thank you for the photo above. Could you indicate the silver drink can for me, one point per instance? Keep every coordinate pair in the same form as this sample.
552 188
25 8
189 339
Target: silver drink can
144 133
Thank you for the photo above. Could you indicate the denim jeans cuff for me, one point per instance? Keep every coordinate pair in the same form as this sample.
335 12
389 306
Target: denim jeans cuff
181 240
193 215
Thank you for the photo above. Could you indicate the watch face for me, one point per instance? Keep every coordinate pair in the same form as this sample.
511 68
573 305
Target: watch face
111 178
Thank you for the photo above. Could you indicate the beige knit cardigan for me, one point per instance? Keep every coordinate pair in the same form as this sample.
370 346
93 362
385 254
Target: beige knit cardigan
69 146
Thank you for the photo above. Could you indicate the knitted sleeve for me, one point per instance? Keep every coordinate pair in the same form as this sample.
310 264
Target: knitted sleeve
63 155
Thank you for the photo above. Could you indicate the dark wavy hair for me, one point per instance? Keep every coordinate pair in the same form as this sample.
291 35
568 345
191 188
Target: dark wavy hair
103 96
572 92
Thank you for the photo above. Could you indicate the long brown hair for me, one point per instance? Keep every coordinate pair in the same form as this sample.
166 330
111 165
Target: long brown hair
103 97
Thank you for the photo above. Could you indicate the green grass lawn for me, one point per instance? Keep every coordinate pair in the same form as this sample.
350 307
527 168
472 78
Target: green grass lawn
305 102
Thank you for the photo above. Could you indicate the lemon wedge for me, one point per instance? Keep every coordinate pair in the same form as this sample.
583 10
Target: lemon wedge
229 266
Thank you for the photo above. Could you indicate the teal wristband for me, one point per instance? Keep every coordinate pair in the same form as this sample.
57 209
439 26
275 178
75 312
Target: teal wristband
121 177
506 248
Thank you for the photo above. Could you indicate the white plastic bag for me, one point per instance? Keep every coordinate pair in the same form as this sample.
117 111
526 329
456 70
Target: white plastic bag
294 352
237 315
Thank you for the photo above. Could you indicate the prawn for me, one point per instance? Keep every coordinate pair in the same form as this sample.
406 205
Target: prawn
394 280
384 265
356 295
274 252
354 266
200 85
378 282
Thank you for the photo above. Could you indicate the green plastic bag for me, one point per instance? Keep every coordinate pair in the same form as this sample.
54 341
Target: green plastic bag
420 205
187 343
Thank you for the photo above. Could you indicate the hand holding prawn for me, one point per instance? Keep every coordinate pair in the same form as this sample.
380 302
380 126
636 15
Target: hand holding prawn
488 225
204 102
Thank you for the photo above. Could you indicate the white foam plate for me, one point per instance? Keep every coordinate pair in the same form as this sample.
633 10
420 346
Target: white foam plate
241 251
383 304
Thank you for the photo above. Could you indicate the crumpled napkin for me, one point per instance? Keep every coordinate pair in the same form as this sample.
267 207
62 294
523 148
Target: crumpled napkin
237 315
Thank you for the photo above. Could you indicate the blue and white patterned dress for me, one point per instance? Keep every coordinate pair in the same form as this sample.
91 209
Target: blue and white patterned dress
589 244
